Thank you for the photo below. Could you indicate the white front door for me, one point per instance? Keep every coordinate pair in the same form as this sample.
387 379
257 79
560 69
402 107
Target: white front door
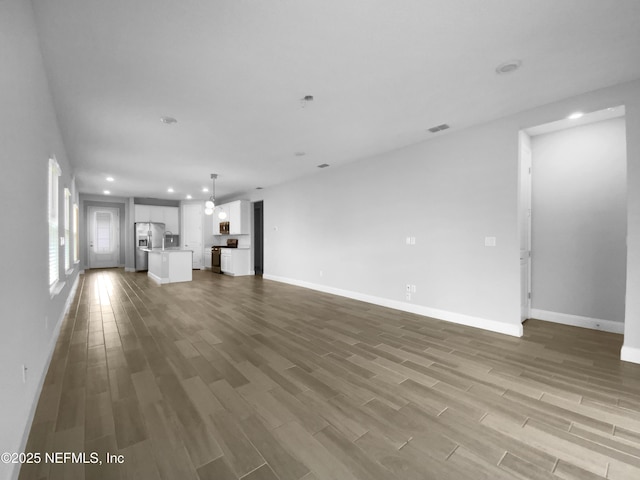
192 221
525 230
103 237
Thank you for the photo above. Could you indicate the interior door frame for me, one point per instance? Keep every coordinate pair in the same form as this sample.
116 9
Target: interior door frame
91 209
525 166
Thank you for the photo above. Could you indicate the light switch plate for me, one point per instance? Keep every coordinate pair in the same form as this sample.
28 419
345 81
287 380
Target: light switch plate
489 241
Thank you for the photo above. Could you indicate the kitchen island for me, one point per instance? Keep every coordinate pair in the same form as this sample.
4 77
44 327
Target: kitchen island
170 265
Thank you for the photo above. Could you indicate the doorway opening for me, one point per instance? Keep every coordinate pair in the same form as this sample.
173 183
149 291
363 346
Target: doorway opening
258 238
573 221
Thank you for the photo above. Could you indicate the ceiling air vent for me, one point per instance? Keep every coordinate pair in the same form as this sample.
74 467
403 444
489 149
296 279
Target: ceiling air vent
439 128
324 165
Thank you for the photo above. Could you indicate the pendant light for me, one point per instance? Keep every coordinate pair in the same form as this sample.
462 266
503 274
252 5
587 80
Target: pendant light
210 204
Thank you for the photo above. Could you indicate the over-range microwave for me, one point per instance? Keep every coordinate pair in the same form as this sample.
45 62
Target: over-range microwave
224 227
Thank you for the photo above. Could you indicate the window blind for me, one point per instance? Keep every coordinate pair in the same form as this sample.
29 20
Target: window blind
54 173
67 229
76 243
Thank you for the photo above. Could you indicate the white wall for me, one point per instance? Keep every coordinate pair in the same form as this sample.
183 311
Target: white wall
580 221
28 135
449 193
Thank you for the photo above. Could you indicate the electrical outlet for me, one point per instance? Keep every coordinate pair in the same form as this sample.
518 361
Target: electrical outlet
407 288
408 241
413 289
413 240
407 297
489 241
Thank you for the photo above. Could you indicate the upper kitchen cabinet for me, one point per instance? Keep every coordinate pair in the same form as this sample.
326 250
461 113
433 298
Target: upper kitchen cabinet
170 216
142 213
237 216
171 220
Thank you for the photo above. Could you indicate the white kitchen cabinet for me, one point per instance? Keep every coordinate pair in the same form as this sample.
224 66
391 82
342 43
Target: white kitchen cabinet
235 261
169 266
171 220
238 216
226 261
142 213
157 214
170 216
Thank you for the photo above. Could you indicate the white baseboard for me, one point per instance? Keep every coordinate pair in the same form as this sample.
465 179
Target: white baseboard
578 321
129 269
157 279
630 354
514 329
50 349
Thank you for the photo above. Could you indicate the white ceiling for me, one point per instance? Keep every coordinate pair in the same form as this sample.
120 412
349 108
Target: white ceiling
233 73
585 119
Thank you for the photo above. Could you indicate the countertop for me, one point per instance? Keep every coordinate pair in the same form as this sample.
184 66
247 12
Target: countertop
167 250
231 248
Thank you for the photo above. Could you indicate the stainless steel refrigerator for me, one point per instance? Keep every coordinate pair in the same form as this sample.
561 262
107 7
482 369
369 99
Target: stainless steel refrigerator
148 235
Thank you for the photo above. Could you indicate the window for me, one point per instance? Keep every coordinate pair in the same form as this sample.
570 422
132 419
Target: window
67 229
54 173
103 240
76 243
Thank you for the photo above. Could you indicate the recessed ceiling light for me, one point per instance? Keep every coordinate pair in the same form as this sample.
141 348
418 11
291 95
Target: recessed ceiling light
189 197
110 179
259 188
170 190
508 67
205 189
107 192
168 120
575 115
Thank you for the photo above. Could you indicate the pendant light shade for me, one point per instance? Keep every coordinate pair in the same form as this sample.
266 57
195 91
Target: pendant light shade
210 204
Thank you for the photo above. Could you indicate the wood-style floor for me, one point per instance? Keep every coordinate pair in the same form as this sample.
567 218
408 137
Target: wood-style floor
227 378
